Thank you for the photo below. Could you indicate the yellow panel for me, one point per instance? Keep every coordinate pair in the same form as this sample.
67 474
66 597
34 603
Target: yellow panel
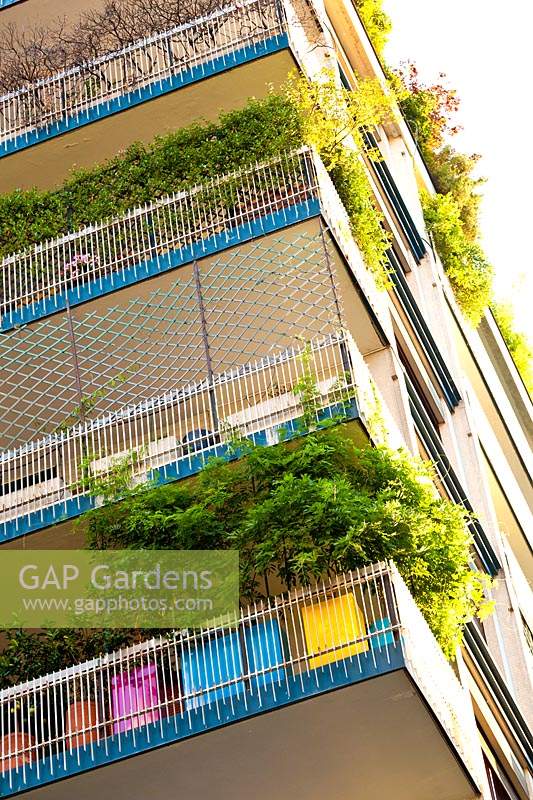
332 623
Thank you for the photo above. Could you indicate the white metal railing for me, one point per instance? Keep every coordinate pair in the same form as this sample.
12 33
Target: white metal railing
173 429
143 64
303 641
107 249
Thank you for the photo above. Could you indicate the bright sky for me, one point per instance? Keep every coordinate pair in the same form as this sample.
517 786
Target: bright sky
484 47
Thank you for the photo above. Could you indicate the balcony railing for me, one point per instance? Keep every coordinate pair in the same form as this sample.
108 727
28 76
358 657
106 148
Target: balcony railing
175 230
295 646
170 436
142 70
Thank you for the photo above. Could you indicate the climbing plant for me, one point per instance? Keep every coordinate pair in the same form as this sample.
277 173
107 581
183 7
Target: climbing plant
333 120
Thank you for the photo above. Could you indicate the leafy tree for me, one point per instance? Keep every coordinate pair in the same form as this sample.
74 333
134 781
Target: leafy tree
376 21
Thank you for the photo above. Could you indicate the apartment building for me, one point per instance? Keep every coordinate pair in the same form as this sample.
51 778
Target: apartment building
164 327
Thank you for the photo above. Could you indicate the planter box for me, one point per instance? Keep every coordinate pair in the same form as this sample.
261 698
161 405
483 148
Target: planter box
330 624
16 751
264 651
81 724
217 660
377 642
135 698
220 661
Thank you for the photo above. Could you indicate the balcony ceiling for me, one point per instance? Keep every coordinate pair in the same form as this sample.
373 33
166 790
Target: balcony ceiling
48 164
369 741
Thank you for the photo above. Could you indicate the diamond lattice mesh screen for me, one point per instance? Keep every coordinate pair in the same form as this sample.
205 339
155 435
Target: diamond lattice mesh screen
251 301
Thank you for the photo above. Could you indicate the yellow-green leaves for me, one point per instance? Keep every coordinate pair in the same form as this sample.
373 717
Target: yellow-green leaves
377 23
332 116
333 120
519 346
463 260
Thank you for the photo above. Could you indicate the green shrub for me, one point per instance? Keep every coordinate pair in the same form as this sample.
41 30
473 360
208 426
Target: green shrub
464 262
317 506
319 114
452 214
141 174
333 121
517 342
451 173
32 654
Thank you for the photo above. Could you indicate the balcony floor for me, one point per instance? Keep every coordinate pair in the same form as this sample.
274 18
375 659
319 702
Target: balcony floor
367 741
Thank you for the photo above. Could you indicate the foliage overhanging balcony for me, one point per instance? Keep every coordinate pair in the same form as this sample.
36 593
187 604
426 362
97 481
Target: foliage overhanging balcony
145 69
170 232
294 647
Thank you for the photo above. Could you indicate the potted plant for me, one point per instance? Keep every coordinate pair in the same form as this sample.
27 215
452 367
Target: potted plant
82 723
18 746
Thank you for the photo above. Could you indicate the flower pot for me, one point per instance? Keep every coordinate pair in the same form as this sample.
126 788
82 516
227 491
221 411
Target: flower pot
16 751
81 724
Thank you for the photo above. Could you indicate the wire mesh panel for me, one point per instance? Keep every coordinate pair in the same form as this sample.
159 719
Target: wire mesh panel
157 61
77 366
167 378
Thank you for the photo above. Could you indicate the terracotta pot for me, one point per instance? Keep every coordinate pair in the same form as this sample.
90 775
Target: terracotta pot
16 750
81 724
173 707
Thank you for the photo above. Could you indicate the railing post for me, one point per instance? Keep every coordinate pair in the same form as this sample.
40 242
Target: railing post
346 361
205 339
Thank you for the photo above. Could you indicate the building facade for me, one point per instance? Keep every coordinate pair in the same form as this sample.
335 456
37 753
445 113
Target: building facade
160 329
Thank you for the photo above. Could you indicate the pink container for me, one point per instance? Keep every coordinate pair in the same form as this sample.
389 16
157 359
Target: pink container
135 698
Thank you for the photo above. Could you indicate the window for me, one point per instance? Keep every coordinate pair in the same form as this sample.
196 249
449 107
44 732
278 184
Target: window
528 633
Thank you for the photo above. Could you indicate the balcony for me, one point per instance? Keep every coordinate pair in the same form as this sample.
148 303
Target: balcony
147 241
145 69
175 231
194 72
338 690
171 436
